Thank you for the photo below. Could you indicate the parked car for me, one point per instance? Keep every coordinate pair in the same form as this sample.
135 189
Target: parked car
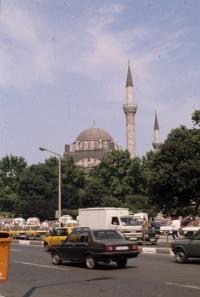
166 229
55 236
187 248
189 230
93 246
36 232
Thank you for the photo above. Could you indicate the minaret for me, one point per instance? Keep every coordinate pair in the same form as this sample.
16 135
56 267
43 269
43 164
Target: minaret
130 110
156 142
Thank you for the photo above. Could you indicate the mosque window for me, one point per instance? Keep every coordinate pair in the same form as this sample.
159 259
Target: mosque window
85 144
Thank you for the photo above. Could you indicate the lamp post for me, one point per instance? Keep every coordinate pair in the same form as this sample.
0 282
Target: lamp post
59 180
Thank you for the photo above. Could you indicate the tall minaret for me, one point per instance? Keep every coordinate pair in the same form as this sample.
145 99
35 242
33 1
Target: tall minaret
156 141
130 110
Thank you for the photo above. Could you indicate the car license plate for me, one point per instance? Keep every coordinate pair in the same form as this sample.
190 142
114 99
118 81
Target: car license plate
121 248
152 239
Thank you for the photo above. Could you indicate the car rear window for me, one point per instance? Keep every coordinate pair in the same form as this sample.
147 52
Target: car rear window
107 234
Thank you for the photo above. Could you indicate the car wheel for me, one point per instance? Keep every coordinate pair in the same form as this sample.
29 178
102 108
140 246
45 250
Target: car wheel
56 259
121 263
90 262
166 233
46 247
180 256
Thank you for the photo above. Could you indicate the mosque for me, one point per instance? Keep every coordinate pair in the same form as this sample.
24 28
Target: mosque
93 144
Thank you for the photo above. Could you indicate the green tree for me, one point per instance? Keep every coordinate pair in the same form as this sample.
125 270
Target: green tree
38 188
73 181
94 193
37 191
11 169
120 176
196 118
141 203
173 173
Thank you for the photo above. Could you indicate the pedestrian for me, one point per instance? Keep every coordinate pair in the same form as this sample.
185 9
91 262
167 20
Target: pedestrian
176 225
145 227
152 227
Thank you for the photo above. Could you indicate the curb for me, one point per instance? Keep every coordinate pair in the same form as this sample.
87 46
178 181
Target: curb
150 250
144 250
27 242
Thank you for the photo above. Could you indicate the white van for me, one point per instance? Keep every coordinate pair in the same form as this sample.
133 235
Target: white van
33 221
65 219
18 221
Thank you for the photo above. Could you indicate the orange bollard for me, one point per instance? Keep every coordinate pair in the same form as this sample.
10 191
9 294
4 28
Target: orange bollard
4 256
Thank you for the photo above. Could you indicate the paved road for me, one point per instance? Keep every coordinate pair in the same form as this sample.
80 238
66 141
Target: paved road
33 275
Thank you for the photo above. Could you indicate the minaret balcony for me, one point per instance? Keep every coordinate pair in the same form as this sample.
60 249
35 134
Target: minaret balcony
129 109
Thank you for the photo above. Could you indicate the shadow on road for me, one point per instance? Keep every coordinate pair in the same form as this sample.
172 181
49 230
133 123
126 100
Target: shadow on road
32 290
100 266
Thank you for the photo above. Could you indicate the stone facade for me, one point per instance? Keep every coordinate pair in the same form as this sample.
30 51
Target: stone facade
90 147
130 110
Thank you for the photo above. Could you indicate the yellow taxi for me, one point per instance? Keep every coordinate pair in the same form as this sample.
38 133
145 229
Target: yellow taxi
14 231
36 232
56 236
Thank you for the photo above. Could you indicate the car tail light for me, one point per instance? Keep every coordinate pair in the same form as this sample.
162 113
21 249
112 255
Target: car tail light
134 247
109 248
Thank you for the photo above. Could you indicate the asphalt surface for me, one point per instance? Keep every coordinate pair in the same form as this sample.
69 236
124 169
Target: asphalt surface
32 274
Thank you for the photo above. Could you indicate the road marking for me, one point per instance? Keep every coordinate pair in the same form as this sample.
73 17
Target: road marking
39 265
184 286
24 242
14 250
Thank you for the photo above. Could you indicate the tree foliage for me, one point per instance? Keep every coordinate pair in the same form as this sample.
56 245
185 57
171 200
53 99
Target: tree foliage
11 168
38 188
119 176
196 118
173 173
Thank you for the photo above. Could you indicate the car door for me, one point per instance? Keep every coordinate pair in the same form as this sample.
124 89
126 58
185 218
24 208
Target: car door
58 235
67 250
81 245
194 247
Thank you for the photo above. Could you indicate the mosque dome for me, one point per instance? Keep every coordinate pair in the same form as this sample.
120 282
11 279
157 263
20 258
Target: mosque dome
94 134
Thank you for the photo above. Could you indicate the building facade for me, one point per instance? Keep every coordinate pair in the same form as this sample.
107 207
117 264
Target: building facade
90 147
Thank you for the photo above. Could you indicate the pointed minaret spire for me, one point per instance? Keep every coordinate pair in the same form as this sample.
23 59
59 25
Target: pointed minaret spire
156 126
130 110
129 81
156 143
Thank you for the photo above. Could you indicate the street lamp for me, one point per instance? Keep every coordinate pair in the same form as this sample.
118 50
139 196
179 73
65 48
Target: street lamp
59 180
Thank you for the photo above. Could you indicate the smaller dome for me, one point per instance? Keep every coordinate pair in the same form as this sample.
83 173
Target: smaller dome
94 134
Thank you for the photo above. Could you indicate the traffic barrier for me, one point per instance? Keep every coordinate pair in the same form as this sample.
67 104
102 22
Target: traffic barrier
4 255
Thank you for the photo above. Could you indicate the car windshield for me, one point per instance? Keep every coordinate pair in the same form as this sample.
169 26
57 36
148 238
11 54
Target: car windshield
129 221
106 234
197 235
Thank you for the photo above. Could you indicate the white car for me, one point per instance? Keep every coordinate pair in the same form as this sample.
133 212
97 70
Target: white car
190 229
166 229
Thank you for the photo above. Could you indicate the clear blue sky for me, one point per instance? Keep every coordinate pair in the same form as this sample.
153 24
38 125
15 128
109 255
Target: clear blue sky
63 64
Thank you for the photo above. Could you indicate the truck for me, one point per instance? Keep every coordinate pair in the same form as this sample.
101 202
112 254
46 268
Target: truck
111 218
